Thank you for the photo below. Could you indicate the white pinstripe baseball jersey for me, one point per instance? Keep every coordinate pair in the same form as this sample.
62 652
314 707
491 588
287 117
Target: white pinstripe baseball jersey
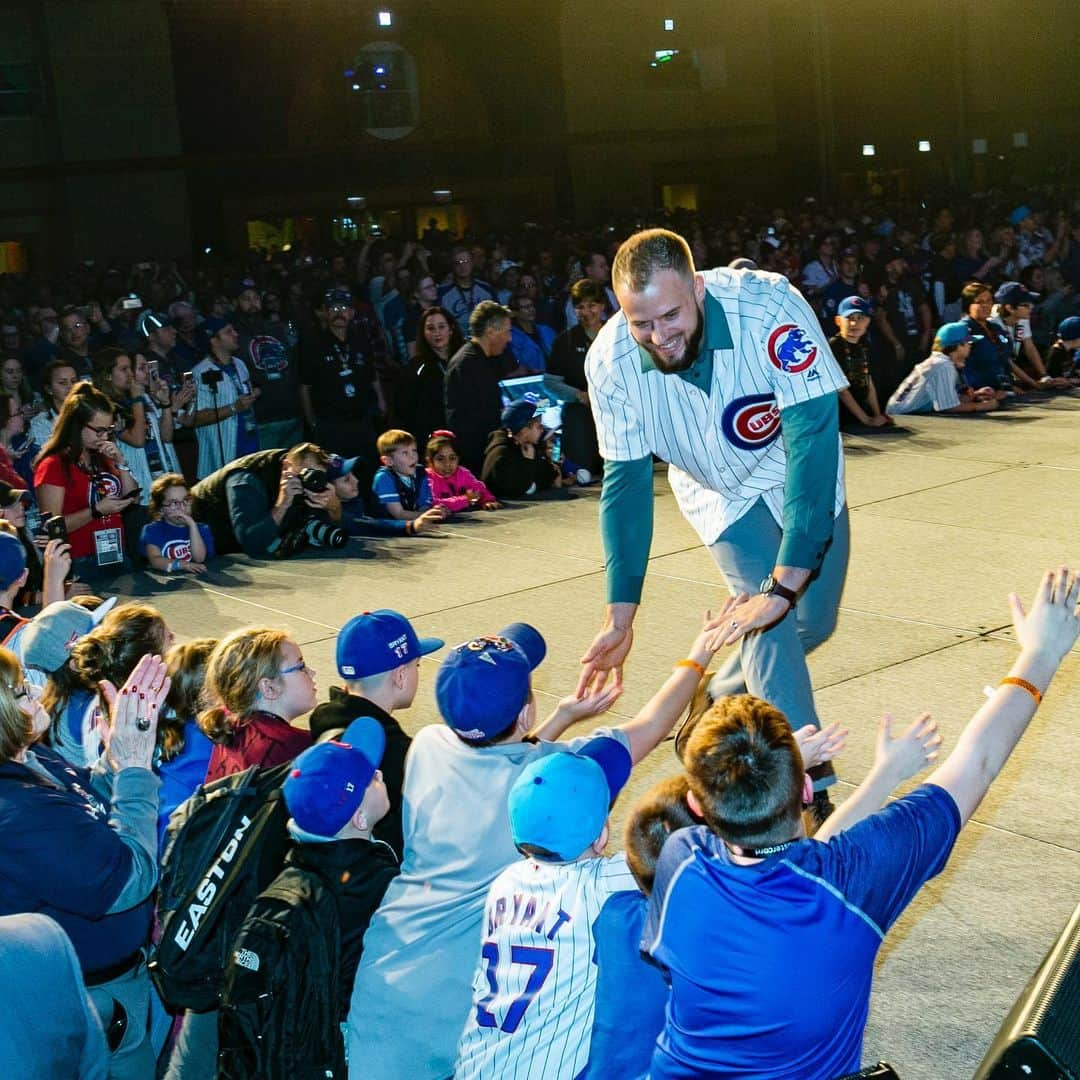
930 385
724 448
534 988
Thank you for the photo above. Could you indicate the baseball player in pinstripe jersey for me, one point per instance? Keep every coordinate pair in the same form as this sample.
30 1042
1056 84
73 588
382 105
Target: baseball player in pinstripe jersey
726 375
535 985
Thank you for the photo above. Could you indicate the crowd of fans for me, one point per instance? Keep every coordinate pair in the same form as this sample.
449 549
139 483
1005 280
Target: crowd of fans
169 414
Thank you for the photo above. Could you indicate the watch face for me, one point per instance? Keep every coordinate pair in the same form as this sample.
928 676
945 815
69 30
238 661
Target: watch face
767 584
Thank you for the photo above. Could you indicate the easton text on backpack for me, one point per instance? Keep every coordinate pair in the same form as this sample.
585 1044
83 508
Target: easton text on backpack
224 846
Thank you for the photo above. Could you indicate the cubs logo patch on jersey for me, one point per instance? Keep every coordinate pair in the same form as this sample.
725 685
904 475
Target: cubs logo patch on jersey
789 349
106 486
751 423
177 549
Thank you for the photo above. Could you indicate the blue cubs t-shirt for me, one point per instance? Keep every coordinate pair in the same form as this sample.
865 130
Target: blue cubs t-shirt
174 541
771 965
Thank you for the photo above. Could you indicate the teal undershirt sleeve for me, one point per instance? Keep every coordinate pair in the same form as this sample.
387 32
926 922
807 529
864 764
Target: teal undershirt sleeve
812 442
626 526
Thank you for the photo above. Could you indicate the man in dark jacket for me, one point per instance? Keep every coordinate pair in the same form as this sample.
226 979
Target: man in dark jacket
516 461
247 503
378 656
473 398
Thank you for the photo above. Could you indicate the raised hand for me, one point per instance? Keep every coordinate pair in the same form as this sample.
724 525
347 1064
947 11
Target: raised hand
1051 627
131 734
818 745
913 750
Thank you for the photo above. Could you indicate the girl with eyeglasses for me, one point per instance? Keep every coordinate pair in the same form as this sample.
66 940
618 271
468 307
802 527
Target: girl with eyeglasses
174 542
259 684
80 474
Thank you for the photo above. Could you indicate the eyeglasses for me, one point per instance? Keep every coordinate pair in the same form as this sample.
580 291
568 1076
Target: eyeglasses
24 691
175 503
102 431
302 666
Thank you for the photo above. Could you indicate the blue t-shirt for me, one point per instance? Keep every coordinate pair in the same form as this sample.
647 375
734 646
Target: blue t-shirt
738 941
182 775
173 541
989 362
631 994
414 493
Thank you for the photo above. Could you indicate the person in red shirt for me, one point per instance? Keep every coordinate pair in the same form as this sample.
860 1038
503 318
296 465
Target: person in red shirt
260 684
80 474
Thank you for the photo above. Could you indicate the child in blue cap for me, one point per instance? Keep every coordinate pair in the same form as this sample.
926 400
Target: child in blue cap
378 656
534 986
421 947
1061 360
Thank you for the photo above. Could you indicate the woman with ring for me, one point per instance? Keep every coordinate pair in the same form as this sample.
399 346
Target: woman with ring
81 846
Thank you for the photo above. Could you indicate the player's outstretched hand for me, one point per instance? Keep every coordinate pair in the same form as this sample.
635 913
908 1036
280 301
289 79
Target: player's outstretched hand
603 659
913 750
1051 627
818 745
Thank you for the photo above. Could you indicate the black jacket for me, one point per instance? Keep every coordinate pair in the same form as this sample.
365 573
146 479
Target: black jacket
509 473
336 715
242 522
473 399
358 871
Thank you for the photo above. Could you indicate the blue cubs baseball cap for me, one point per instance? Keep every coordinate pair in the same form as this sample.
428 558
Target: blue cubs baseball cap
327 782
1014 294
1021 213
956 333
337 296
1069 329
12 559
378 641
214 325
854 305
516 415
483 684
560 802
339 466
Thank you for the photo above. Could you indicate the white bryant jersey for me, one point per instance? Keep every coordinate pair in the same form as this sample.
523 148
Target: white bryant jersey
724 448
930 385
535 984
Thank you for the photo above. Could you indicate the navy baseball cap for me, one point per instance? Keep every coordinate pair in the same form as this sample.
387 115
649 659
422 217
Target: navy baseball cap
378 641
337 296
956 333
483 684
854 305
214 324
153 320
327 782
339 466
516 415
561 802
12 559
1014 294
237 287
1068 330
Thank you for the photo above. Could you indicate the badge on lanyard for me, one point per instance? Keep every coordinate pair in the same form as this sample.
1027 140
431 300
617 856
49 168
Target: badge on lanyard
109 548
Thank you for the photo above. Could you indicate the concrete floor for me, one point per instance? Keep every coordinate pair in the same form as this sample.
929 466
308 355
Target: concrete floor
948 516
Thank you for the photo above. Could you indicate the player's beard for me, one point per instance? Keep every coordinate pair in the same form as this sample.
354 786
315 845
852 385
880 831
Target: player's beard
690 353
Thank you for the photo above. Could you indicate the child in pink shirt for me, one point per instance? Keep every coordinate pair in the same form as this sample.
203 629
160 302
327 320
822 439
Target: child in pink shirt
452 485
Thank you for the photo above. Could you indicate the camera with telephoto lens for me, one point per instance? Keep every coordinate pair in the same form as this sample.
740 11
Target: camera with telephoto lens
302 527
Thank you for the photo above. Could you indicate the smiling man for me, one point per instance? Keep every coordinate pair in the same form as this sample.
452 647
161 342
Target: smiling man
724 374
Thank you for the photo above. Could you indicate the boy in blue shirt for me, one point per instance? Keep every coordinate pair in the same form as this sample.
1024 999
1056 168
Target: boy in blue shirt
737 901
401 487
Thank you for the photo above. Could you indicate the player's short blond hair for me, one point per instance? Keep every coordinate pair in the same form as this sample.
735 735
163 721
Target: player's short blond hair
647 253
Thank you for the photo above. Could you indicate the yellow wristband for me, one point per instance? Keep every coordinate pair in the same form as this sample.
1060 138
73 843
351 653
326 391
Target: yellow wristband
691 664
1031 688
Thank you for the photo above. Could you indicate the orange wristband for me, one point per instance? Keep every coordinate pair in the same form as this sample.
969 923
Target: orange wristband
1031 688
691 664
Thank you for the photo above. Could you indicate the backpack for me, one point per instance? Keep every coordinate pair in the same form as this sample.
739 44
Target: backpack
224 845
280 1013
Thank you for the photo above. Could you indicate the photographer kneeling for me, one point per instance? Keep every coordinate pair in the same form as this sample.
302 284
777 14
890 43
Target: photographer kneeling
267 504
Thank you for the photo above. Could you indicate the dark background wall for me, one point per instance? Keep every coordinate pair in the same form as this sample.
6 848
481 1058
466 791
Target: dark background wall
157 125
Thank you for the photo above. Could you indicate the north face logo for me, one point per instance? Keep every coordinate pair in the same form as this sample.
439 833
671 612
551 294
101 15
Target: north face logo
245 958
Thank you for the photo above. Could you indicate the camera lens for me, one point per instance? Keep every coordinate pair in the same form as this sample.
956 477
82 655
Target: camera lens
314 480
324 534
